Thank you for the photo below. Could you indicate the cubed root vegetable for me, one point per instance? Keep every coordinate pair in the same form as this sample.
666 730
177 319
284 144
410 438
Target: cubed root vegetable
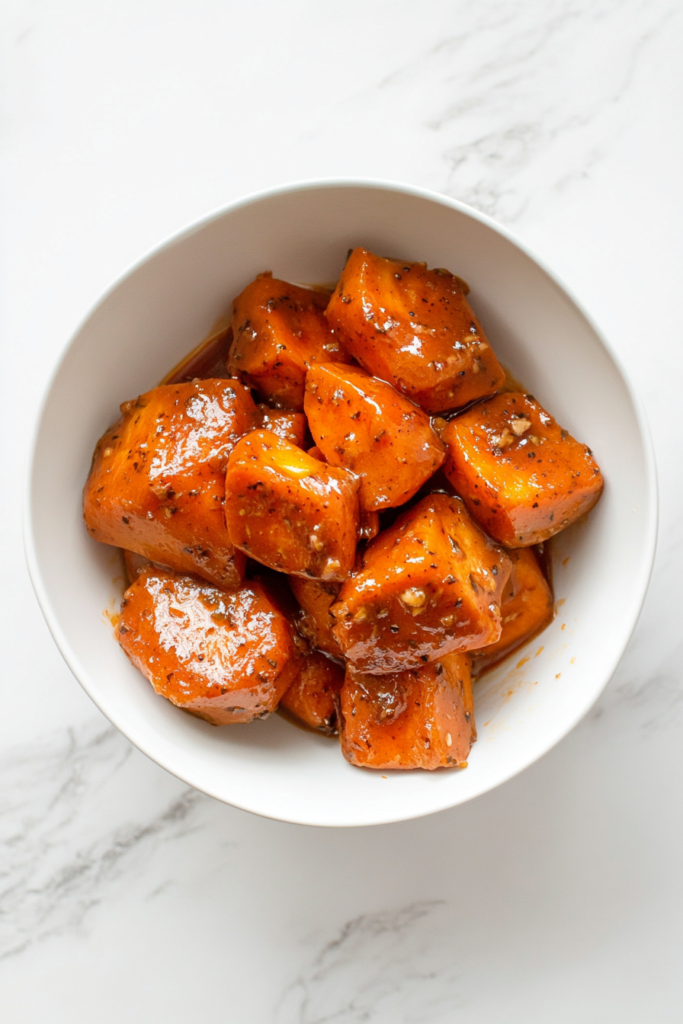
526 608
362 424
414 328
422 718
315 620
429 585
208 359
157 483
290 511
313 694
291 426
225 656
279 331
523 477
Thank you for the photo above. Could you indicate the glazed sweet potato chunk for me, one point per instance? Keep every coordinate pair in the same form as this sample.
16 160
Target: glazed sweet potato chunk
315 620
291 426
226 656
290 511
423 718
313 694
526 608
362 424
157 482
279 331
523 477
414 328
429 585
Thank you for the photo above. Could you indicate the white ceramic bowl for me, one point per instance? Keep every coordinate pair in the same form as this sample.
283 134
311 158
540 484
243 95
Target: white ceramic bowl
161 309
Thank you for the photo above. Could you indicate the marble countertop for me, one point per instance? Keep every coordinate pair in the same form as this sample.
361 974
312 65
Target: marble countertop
125 896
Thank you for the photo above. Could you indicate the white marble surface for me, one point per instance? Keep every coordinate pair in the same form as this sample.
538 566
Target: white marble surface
124 896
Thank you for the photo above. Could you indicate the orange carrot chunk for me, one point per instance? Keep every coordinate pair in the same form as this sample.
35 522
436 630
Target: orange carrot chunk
279 331
362 424
225 656
157 483
414 328
429 585
523 477
289 511
423 718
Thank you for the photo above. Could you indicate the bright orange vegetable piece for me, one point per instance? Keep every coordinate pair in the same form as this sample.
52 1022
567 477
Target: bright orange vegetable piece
226 656
290 511
526 608
523 477
157 483
313 694
422 718
414 328
291 426
315 620
429 585
362 424
279 331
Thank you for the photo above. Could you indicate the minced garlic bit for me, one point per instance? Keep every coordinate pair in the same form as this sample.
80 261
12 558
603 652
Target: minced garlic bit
503 440
315 542
107 452
415 598
449 739
520 425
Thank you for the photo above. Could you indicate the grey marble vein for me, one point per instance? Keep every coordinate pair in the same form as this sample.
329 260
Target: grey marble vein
57 854
380 967
520 103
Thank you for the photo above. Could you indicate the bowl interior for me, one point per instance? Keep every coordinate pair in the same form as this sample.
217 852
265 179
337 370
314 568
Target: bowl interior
160 310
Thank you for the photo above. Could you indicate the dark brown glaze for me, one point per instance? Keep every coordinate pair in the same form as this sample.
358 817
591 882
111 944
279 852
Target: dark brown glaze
226 656
414 328
208 359
523 477
157 483
429 585
422 718
368 527
526 608
134 564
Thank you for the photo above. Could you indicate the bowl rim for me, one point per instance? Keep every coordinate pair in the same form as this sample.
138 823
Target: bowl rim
649 538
